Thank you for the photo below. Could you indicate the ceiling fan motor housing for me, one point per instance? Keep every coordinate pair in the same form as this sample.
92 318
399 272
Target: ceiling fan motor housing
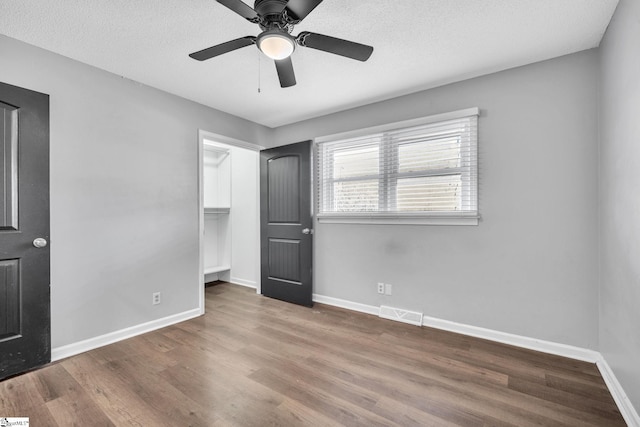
270 11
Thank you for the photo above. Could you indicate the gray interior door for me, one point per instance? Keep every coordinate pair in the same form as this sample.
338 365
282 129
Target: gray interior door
286 225
25 338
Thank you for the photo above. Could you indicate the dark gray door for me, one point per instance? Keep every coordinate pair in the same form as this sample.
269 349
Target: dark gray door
286 226
25 338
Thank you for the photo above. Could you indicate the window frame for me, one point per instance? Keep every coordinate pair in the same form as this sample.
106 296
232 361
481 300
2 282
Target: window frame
469 181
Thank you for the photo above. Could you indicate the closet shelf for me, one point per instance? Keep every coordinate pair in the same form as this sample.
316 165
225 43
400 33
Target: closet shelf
218 210
217 269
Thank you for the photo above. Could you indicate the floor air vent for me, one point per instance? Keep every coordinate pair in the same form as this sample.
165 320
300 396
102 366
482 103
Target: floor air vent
399 315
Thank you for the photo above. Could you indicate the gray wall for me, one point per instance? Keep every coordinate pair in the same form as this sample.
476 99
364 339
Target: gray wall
530 266
124 199
620 197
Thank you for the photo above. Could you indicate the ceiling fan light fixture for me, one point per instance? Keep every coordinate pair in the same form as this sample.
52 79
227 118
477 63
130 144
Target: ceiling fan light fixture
276 44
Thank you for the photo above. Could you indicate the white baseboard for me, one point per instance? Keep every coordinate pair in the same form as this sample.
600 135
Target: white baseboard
243 282
622 400
543 346
474 331
617 392
69 350
355 306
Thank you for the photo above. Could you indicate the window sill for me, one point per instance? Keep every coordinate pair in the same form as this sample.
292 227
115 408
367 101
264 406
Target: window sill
399 219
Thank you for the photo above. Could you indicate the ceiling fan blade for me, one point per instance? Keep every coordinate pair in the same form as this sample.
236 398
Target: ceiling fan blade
297 10
241 8
330 44
285 72
219 49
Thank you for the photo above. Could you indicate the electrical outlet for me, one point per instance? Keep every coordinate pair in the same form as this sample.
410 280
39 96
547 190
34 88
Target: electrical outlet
156 298
380 288
388 289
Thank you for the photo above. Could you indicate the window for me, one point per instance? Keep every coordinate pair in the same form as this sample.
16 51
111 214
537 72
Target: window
421 171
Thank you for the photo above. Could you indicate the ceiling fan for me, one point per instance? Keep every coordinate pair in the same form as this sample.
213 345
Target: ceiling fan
276 19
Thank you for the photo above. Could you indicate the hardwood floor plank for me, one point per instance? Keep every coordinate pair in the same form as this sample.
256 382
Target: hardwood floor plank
218 334
160 341
316 399
294 413
597 390
40 415
407 415
163 397
76 412
600 408
118 402
68 402
19 395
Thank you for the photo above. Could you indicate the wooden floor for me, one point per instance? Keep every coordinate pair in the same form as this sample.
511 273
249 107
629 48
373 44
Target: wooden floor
254 361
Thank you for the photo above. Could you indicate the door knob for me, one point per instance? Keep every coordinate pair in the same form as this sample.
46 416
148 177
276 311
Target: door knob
40 242
307 231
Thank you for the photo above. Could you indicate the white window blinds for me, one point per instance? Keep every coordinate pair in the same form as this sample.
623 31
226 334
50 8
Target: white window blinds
427 169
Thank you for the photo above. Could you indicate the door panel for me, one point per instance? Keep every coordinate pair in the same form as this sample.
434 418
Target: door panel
284 189
283 260
285 205
25 341
9 167
10 291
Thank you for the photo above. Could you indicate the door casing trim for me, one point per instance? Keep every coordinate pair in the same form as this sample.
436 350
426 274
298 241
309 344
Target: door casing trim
202 135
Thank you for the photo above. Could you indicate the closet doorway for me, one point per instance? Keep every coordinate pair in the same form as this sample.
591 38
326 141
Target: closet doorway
229 211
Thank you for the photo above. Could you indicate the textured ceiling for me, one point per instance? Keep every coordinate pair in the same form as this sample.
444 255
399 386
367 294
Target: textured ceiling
418 44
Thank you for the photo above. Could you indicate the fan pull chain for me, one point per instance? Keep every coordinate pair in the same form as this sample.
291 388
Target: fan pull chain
259 72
